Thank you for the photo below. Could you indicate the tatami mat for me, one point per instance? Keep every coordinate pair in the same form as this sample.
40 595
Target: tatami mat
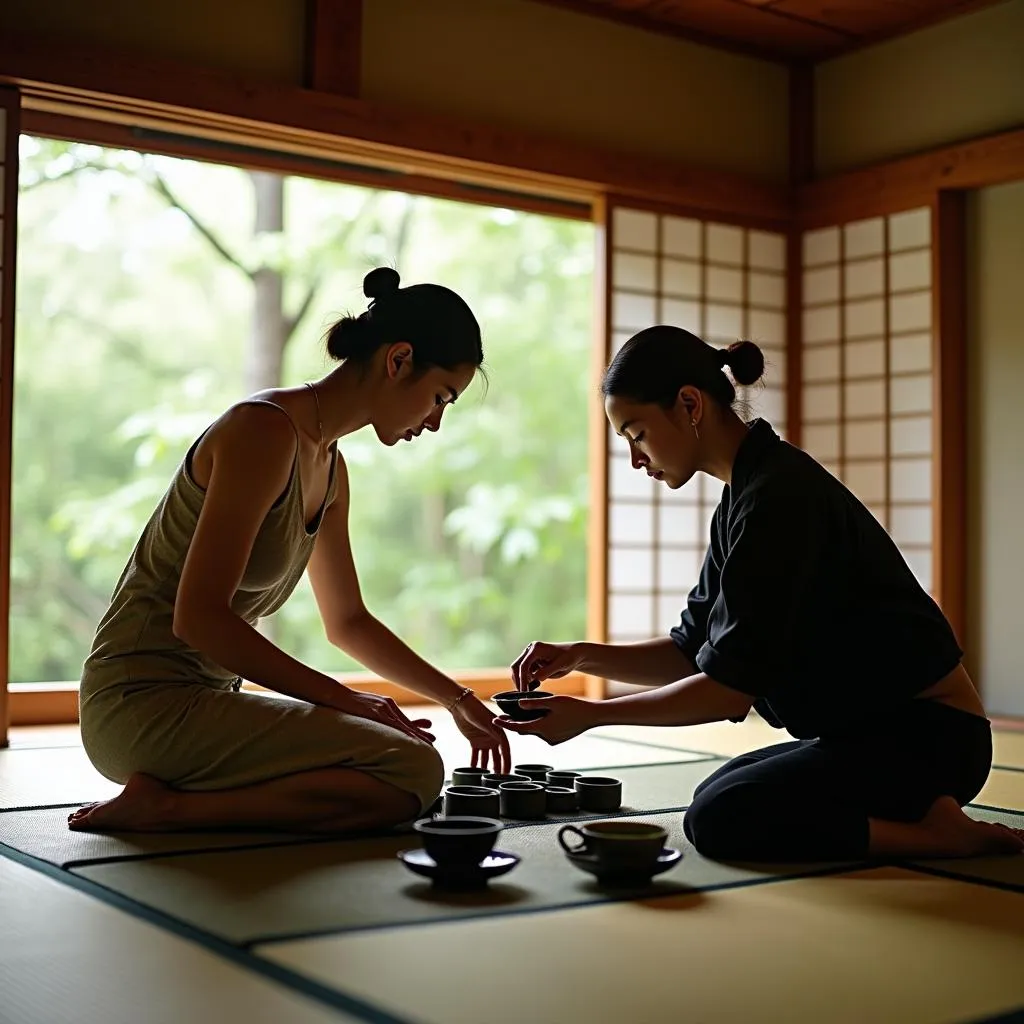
1004 788
243 895
886 946
45 834
67 958
1008 748
40 777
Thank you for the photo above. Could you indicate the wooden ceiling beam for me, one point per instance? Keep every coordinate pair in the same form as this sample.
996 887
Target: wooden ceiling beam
334 46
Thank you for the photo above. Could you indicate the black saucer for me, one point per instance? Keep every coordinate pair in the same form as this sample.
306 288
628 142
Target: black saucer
474 877
616 875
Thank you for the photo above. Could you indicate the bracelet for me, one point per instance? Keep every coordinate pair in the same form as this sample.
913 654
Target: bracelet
466 692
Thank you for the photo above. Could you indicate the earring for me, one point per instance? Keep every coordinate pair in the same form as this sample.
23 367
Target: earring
693 423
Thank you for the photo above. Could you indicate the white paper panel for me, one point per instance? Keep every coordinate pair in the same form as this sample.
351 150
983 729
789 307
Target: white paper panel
911 524
631 613
770 404
634 229
630 524
822 441
866 480
711 488
681 313
766 290
920 562
910 394
821 401
681 236
680 277
878 511
688 494
864 440
774 364
912 436
910 230
724 322
633 312
865 318
910 353
725 244
680 569
766 328
910 480
830 467
626 482
821 285
865 278
766 250
632 271
619 338
864 238
670 607
910 270
910 312
864 398
821 324
821 363
630 569
864 358
679 524
725 284
821 246
707 515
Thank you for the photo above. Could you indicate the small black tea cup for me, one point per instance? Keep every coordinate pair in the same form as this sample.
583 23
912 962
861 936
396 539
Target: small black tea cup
598 793
473 801
523 800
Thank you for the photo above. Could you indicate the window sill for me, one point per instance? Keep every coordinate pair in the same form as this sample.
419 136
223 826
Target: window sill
57 703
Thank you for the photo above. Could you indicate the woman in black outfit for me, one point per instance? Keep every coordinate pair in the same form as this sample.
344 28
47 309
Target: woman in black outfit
805 611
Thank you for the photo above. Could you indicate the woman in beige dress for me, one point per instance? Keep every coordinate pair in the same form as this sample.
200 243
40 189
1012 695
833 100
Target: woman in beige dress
259 498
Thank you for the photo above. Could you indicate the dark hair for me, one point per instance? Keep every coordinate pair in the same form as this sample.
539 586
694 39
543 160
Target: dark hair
654 364
437 323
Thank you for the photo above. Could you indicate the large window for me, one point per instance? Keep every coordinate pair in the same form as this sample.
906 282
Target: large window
153 292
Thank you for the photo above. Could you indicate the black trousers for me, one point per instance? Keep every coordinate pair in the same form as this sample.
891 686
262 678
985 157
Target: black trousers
810 800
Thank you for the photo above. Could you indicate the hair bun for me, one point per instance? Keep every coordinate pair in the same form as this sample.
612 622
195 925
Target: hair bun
381 282
745 360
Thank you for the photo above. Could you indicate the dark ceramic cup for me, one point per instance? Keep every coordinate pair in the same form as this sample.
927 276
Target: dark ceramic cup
598 793
561 800
561 778
616 844
534 772
461 841
468 776
474 801
523 800
509 704
494 780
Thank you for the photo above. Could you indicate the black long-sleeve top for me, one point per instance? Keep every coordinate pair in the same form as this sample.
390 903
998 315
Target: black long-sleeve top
804 601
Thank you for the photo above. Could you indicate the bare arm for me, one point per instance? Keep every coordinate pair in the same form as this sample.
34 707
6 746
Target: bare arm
691 701
348 623
252 453
648 663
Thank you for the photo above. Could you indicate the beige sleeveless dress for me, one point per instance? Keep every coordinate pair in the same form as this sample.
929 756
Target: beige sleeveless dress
150 703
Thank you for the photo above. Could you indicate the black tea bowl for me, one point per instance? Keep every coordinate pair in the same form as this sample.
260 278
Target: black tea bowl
509 704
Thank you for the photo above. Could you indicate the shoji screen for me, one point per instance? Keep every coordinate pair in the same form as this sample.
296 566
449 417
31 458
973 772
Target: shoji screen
9 109
867 369
723 283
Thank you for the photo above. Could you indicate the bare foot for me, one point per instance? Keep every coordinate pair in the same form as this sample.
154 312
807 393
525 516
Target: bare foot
953 834
140 807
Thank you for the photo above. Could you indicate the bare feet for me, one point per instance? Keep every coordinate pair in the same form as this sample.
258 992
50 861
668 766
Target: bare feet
945 831
140 807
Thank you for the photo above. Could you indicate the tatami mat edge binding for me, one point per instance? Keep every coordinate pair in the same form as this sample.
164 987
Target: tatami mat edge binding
236 954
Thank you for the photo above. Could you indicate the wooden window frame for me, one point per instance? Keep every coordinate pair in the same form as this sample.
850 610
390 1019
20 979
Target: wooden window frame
324 131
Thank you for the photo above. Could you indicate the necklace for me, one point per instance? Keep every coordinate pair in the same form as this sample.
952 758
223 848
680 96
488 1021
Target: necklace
319 421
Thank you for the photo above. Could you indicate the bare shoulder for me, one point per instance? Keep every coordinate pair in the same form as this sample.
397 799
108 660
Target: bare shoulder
247 436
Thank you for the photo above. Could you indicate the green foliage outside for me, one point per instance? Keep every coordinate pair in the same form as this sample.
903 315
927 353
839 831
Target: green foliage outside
135 305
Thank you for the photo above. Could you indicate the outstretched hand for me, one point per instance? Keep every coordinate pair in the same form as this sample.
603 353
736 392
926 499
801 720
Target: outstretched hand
488 741
565 717
380 709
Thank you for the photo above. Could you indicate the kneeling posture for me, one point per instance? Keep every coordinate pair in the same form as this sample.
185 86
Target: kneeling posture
259 497
806 611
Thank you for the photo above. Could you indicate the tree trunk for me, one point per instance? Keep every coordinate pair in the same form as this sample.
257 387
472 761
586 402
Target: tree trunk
270 328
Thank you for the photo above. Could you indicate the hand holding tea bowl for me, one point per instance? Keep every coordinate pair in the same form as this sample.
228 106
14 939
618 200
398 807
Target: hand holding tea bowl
563 717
